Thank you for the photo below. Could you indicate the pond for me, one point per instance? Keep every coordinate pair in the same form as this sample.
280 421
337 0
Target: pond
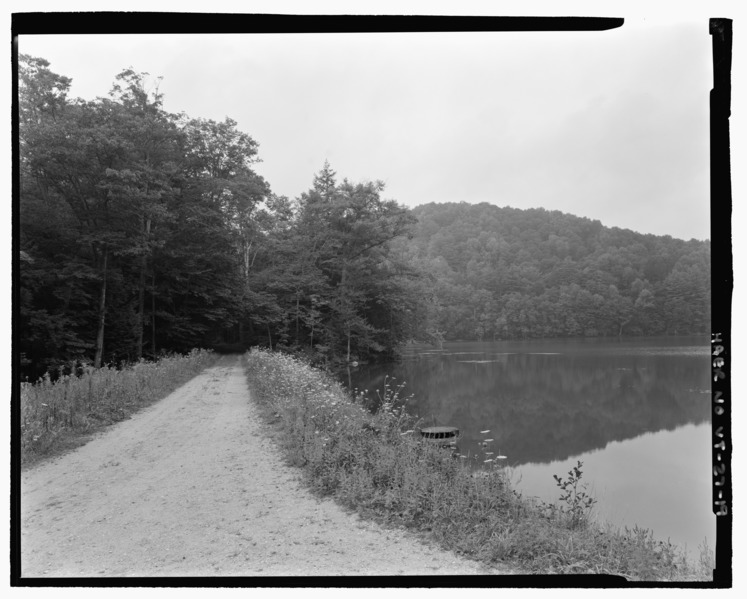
636 412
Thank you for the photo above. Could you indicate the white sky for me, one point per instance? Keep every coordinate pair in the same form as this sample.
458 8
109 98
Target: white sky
607 125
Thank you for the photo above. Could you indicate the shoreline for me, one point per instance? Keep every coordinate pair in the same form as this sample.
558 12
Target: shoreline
393 479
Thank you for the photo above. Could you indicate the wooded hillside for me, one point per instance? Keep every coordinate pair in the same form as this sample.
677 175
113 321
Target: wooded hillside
506 273
143 232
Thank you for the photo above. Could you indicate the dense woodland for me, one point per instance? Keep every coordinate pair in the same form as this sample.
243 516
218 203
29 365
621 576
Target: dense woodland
144 232
504 273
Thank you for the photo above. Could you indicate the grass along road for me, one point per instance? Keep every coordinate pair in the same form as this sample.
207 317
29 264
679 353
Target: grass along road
192 486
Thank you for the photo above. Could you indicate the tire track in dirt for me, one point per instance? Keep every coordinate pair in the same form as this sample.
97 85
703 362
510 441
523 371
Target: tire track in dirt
192 486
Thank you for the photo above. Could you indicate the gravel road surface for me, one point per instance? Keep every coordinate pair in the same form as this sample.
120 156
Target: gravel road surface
193 486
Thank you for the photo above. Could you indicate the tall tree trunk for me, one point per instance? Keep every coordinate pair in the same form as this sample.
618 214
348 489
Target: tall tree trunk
346 304
153 312
140 309
102 313
623 324
141 296
348 331
298 313
269 335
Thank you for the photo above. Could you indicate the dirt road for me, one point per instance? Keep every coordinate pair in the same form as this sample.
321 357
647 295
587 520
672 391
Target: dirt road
192 487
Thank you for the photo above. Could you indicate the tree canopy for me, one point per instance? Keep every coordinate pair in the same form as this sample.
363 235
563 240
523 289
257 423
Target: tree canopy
144 232
503 273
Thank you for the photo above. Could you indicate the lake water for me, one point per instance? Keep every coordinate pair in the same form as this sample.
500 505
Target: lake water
636 412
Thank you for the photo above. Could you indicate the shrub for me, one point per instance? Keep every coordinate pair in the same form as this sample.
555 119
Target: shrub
578 503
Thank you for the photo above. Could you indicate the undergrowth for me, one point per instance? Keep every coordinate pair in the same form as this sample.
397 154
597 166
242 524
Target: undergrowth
59 415
376 464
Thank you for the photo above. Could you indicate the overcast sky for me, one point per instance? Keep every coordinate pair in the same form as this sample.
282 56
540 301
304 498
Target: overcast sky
608 125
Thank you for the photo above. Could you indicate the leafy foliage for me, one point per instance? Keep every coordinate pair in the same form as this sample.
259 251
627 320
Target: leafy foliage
577 502
143 232
505 273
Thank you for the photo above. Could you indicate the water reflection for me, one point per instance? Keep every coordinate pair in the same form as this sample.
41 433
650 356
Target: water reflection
545 404
637 412
659 481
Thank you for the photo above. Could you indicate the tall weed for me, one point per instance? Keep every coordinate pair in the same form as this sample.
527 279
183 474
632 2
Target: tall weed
56 415
376 464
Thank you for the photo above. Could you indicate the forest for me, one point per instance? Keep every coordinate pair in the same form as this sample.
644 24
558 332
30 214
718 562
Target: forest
144 233
504 273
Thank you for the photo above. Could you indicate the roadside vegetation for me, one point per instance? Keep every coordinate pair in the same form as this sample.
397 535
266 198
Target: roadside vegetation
60 415
376 464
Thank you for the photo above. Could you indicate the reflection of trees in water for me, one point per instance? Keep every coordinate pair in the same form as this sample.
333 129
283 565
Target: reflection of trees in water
542 408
